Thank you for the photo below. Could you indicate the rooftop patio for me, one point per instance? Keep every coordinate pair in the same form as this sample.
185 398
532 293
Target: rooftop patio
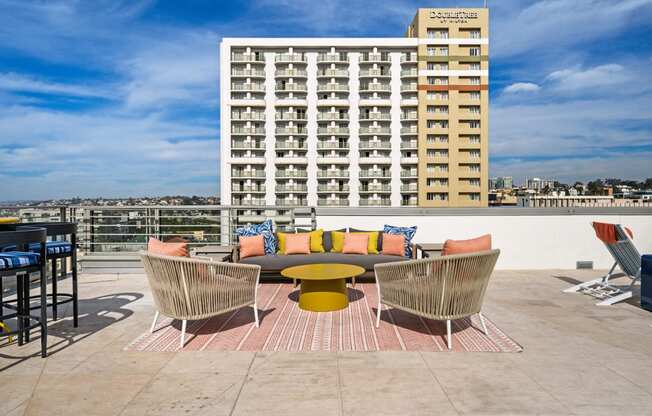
577 358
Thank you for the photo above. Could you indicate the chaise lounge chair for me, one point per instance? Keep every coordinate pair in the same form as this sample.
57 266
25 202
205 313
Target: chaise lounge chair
618 241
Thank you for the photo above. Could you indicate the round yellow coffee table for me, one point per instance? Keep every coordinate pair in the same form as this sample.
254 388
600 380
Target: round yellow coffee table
323 286
8 220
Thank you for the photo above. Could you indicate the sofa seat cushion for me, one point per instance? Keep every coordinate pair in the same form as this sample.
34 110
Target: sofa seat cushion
279 262
52 247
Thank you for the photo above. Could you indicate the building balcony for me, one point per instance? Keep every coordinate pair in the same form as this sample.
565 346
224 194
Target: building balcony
291 174
248 174
323 202
291 131
409 87
375 131
413 160
295 188
249 202
413 144
290 58
379 159
325 88
333 73
250 189
333 116
247 73
252 159
374 174
248 58
248 145
375 88
409 116
290 116
333 131
247 131
409 130
248 87
409 188
332 145
292 160
253 101
375 145
291 87
370 58
409 58
409 102
409 173
291 73
376 116
291 145
248 116
385 202
376 189
334 174
291 202
333 188
333 58
374 73
409 73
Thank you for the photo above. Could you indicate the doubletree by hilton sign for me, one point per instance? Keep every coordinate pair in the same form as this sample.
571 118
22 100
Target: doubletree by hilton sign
453 17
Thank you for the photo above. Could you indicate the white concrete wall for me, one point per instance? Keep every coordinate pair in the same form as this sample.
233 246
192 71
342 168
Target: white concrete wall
526 242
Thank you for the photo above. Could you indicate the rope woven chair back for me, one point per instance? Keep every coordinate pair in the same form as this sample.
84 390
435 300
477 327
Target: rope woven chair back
443 288
188 288
624 252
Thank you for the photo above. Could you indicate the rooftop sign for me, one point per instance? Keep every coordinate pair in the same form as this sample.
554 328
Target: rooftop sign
453 17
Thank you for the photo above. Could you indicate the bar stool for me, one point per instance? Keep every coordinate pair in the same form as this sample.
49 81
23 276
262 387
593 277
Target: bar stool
21 264
58 248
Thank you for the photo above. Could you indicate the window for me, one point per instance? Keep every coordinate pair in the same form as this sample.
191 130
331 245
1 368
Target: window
438 80
436 153
475 139
431 51
474 80
474 153
437 138
442 51
437 33
474 182
474 66
474 124
436 66
431 124
475 34
437 196
474 95
474 51
437 182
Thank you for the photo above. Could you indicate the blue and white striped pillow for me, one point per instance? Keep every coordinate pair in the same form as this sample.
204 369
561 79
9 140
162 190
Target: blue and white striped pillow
267 231
407 232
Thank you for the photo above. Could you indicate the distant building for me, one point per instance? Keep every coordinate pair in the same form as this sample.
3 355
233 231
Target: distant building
538 184
501 182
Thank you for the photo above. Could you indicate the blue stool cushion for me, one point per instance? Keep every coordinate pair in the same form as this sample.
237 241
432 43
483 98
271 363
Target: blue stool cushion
17 259
52 247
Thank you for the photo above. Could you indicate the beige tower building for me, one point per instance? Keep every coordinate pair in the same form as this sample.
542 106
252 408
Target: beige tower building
359 121
453 93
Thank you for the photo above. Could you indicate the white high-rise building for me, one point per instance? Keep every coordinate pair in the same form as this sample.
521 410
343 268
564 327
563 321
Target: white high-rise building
341 121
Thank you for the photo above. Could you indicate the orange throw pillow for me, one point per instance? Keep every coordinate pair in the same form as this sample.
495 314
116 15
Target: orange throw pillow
394 245
297 243
355 243
156 246
473 245
252 246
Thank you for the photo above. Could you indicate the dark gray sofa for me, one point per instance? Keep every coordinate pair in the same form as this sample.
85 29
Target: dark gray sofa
272 264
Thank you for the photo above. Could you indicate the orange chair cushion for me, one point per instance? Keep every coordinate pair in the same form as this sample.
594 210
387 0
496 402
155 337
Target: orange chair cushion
252 246
297 243
394 245
473 245
157 246
355 243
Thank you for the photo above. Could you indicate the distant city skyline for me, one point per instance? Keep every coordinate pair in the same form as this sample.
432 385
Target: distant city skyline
122 98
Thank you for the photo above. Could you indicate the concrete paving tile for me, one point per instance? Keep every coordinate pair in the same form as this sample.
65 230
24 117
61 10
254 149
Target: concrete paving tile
123 362
186 394
586 385
293 362
392 391
290 393
495 390
215 362
84 394
380 359
636 369
18 411
15 390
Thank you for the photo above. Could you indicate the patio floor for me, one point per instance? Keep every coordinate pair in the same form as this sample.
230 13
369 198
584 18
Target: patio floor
578 359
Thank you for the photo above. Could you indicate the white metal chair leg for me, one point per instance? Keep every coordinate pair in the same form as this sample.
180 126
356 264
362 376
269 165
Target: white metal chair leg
448 334
604 280
183 332
256 315
154 323
615 299
378 315
484 326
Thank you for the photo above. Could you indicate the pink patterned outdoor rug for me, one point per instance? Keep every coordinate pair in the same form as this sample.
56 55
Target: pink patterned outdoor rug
285 327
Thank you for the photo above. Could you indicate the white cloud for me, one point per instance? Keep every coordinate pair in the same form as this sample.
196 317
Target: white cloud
16 82
521 87
598 76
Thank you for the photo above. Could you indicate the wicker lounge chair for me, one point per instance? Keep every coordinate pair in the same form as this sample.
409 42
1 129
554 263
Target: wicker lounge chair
192 288
626 257
444 288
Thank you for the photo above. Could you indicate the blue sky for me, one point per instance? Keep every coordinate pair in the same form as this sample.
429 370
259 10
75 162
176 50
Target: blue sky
121 98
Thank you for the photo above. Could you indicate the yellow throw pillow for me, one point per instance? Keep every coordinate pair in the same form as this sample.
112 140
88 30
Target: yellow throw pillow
337 238
281 242
372 247
317 241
